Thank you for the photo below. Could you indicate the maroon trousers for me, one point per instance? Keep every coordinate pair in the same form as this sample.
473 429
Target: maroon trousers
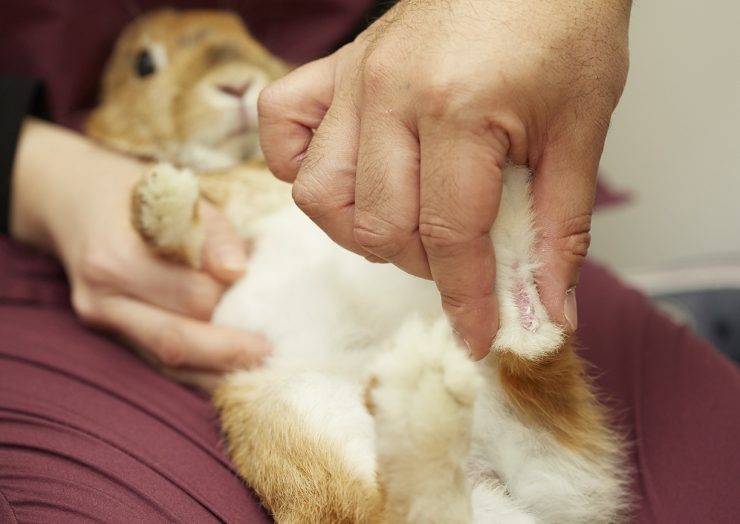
88 432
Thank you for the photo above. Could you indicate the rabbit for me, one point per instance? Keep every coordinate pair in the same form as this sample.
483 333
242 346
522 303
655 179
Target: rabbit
368 410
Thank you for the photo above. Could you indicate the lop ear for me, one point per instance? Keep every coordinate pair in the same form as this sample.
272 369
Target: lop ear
112 125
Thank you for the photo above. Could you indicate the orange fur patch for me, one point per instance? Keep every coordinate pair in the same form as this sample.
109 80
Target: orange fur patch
555 393
249 179
299 477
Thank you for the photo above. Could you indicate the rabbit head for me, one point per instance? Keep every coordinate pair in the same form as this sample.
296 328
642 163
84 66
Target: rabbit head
182 87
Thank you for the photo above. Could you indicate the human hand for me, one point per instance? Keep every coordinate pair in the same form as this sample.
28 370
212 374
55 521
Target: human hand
72 198
396 142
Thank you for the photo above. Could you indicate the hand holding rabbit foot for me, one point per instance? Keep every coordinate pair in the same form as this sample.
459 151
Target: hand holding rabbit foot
78 207
398 140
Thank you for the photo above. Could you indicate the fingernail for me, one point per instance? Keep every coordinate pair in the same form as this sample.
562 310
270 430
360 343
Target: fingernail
570 310
231 259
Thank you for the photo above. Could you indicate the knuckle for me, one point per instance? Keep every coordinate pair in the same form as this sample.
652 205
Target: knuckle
270 99
97 267
84 306
302 194
453 303
439 236
169 346
377 74
378 236
575 247
310 197
443 98
571 238
466 308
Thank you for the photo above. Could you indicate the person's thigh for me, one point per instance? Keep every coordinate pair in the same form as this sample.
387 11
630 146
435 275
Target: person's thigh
676 397
88 432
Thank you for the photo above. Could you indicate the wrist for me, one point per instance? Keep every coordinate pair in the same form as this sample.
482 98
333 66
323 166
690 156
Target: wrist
57 175
32 178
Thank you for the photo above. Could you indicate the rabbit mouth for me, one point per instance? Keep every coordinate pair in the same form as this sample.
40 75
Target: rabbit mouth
243 127
242 130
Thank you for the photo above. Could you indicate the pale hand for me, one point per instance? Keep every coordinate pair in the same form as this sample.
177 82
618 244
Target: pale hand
72 198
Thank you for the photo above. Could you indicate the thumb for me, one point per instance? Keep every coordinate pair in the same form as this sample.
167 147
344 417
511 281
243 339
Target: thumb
223 254
563 198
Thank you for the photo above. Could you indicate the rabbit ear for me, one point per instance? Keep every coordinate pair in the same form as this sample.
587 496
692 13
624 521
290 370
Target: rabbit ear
110 125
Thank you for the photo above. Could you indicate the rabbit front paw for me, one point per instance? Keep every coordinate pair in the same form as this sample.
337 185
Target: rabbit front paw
164 210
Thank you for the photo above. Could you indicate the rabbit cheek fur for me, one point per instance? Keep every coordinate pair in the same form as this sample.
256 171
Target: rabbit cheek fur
367 411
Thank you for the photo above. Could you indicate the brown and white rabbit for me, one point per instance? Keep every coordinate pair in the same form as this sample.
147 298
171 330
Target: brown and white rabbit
367 411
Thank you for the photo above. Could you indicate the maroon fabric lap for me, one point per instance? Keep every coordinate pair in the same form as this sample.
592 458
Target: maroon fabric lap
676 397
90 433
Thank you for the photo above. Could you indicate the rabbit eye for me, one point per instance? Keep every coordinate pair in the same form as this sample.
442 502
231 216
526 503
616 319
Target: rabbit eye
144 64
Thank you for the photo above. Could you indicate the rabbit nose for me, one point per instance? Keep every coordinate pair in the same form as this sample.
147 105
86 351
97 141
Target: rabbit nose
235 90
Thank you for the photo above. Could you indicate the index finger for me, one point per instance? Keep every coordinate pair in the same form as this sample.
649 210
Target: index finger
460 192
289 110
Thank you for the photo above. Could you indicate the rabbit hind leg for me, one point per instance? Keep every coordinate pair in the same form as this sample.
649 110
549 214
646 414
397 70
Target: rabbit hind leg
303 442
421 394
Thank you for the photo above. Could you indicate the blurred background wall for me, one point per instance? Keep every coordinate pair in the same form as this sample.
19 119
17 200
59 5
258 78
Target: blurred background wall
674 144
